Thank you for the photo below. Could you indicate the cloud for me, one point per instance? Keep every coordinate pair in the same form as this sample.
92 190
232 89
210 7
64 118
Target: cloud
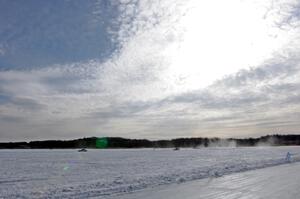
266 97
20 102
289 12
130 92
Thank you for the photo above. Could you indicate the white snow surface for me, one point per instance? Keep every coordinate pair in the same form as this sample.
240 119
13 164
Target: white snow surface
280 182
108 173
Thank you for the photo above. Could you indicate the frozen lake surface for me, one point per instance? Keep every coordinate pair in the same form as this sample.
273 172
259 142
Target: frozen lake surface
109 173
271 182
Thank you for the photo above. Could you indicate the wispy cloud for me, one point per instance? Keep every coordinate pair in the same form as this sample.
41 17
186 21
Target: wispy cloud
130 92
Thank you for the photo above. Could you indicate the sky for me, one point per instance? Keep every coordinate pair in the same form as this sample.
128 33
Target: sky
154 69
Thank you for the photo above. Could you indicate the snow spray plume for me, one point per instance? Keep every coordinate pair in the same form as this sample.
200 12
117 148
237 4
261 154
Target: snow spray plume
267 141
221 143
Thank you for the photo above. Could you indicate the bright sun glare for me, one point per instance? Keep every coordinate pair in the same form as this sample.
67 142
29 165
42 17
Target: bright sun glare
220 38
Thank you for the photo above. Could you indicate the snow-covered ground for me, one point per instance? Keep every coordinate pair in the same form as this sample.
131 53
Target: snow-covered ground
273 182
111 173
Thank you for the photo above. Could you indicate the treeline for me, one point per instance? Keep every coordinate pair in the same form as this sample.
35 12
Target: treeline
115 142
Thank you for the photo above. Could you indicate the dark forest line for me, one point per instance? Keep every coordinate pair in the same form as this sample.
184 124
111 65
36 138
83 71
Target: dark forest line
117 142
